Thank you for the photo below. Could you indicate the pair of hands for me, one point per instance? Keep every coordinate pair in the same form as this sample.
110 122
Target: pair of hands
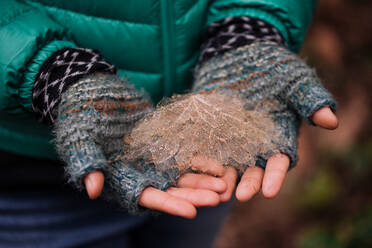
217 184
95 113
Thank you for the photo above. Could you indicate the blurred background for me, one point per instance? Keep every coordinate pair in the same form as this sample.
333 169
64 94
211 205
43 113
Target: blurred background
326 200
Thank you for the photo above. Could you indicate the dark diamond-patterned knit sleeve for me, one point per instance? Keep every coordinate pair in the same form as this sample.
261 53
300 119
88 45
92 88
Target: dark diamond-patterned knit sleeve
62 69
234 32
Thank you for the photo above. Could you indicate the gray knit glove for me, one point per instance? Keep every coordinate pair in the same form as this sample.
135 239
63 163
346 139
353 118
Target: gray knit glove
267 71
93 116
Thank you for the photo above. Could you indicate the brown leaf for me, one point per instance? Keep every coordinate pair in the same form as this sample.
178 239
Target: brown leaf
212 125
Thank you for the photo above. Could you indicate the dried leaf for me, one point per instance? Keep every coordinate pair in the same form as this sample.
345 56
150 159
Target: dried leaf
213 125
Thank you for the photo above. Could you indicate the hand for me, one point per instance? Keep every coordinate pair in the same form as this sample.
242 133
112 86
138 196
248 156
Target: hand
270 76
93 117
193 190
271 180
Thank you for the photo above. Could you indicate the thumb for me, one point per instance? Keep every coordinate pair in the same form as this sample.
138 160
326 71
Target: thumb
93 182
325 118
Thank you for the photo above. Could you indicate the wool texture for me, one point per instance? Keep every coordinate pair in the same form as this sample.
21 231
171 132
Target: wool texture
268 72
93 117
124 183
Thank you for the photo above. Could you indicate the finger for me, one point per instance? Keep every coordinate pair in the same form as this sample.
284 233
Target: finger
94 183
230 179
162 201
325 118
198 197
201 181
250 183
207 166
276 169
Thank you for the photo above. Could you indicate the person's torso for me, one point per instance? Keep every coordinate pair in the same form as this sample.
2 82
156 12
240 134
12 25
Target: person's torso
153 43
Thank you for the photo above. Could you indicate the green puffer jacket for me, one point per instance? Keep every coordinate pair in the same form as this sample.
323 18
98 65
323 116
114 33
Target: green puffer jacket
155 43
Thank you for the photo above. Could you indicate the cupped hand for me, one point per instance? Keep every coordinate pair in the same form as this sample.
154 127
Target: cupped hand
218 185
192 191
271 180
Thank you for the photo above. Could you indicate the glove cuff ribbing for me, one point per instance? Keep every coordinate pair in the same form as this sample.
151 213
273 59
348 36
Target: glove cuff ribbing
233 32
62 69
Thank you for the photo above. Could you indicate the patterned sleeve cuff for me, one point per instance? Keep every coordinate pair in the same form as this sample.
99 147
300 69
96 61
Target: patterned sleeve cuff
234 32
62 69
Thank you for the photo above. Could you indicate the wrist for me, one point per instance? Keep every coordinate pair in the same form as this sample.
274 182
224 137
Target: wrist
62 69
233 32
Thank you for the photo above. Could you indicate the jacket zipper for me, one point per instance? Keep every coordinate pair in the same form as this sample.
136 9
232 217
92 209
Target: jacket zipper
168 46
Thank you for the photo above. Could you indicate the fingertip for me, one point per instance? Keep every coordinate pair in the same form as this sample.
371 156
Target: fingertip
225 197
241 194
189 210
325 118
269 192
94 184
167 202
246 190
276 170
250 183
214 199
220 186
181 208
192 214
230 178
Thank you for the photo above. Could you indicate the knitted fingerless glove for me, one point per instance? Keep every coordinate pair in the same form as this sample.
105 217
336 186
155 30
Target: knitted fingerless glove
91 113
93 117
267 71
